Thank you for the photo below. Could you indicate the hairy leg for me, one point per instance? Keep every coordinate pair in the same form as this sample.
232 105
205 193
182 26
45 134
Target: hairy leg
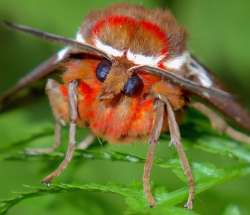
153 139
72 103
86 142
56 101
55 145
176 141
220 124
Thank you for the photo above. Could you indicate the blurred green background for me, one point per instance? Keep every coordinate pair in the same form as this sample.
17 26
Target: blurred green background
219 33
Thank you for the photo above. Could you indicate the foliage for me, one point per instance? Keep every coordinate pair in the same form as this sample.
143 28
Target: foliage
207 175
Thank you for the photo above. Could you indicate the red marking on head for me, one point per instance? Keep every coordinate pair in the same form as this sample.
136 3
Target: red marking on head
113 21
165 50
157 32
97 27
133 26
120 20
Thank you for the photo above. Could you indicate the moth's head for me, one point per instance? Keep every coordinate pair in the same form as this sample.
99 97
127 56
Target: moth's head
134 41
132 36
110 79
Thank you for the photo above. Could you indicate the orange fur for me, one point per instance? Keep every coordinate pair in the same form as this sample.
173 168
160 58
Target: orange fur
154 31
122 118
102 105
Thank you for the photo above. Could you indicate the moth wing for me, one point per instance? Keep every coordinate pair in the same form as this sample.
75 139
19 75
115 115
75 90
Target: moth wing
49 65
41 71
230 107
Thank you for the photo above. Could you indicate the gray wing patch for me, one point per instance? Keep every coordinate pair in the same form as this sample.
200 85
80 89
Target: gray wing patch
229 107
201 74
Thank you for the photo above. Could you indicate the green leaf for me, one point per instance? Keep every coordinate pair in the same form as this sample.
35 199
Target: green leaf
133 195
232 210
224 147
201 170
207 175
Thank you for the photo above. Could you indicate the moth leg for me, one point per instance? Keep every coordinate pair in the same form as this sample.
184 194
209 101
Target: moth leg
59 109
220 124
176 141
86 142
56 144
73 114
153 139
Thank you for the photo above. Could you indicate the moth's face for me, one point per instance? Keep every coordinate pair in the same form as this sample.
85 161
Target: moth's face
113 79
118 80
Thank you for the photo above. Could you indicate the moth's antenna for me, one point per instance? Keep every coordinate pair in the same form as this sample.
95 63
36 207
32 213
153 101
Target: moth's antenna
57 39
185 83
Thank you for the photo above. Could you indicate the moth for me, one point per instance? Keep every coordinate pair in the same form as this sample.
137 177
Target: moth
128 75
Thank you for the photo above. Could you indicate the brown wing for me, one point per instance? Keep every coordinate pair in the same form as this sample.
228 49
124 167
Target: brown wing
231 108
39 72
49 65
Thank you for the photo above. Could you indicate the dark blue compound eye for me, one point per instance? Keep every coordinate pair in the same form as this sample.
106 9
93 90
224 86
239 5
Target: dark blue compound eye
103 69
133 85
